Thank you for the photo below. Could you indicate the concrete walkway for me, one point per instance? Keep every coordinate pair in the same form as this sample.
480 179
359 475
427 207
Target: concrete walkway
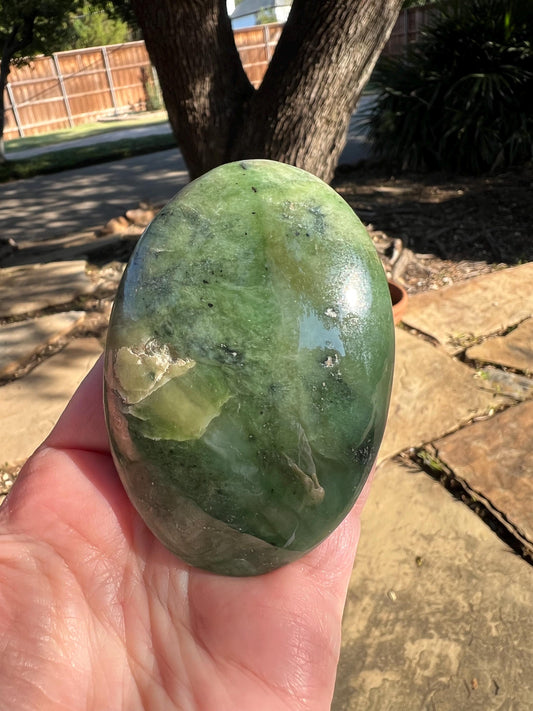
438 615
60 204
55 205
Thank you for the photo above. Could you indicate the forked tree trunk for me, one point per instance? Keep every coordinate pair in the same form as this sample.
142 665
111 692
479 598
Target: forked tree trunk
301 111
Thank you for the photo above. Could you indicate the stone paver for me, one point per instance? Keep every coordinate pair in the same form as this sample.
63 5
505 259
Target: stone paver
515 386
30 406
438 616
21 340
432 395
514 350
495 458
32 288
458 315
84 246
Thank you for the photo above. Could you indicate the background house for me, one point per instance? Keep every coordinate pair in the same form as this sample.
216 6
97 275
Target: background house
254 12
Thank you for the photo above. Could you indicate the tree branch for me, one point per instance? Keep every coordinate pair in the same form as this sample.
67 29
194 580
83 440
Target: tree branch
12 45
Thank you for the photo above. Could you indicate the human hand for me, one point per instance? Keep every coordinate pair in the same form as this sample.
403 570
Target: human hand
96 614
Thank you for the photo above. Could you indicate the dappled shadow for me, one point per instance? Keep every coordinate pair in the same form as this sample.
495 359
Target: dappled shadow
482 220
21 340
84 246
41 287
55 205
459 218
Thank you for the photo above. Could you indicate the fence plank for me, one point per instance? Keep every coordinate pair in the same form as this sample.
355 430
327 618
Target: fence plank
407 28
63 91
13 108
71 88
74 87
109 78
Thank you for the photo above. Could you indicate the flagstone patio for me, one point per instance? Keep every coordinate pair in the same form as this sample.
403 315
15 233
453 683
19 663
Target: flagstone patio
438 614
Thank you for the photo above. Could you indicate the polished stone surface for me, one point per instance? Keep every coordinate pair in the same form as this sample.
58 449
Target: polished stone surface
248 367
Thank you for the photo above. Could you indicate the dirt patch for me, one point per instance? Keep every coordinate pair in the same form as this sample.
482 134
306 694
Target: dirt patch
432 230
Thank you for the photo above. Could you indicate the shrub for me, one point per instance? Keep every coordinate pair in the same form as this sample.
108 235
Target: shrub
460 98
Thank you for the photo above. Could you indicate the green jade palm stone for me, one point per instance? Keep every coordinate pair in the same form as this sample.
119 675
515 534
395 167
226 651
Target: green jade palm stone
248 367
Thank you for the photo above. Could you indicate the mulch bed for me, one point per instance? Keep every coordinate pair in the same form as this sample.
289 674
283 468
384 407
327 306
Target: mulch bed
434 230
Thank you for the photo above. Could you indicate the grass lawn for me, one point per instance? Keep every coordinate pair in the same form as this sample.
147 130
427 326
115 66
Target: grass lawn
86 130
78 156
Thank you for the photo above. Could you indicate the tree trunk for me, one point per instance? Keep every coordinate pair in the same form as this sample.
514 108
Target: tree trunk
301 111
202 80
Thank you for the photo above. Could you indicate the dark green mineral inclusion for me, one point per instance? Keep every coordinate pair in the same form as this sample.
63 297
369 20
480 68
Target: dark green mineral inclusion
248 367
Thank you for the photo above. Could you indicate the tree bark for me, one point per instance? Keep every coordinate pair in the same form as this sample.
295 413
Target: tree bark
301 111
204 85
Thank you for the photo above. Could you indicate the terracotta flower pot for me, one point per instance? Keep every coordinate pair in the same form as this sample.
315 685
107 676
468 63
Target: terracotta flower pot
398 297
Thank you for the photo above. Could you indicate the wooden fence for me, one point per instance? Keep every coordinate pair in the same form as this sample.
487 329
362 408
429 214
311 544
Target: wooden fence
407 28
256 46
75 87
70 88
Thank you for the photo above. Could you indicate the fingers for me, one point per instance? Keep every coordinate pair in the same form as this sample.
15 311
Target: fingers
82 424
